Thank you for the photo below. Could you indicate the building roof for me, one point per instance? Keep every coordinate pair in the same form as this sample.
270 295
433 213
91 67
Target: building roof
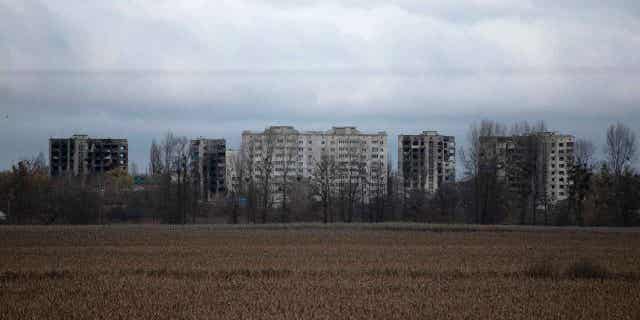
346 130
86 137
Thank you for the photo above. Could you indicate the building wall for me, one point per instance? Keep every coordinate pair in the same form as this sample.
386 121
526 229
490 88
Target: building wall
426 160
232 159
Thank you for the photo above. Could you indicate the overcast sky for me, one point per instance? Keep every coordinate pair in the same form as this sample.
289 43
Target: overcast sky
136 69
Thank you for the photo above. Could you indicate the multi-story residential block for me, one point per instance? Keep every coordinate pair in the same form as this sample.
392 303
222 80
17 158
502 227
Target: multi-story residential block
208 158
81 155
426 160
539 161
282 152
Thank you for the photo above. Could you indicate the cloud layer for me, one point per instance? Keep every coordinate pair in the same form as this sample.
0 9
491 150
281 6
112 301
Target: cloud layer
213 68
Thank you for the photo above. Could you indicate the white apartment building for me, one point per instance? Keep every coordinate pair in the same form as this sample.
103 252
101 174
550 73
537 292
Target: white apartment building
296 153
559 158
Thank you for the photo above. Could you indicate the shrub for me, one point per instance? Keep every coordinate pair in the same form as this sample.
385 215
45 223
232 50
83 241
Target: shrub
586 269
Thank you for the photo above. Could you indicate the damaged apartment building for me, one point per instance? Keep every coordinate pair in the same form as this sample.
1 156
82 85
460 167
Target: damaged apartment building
426 160
208 158
81 155
538 163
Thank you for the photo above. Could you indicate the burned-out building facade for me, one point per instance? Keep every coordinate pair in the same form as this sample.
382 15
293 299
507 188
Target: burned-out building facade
426 160
81 155
538 163
208 164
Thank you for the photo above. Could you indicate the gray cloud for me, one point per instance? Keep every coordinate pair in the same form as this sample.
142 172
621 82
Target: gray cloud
200 68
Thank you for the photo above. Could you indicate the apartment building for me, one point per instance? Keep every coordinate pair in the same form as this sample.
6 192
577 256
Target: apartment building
543 158
232 179
81 155
208 158
426 160
294 154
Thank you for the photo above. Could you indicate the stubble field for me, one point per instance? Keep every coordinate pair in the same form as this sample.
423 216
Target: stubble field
316 272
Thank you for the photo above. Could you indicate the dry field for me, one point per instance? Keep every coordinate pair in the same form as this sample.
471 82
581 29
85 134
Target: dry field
314 272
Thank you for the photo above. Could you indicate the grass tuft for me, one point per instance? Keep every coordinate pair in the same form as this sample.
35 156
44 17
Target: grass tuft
540 270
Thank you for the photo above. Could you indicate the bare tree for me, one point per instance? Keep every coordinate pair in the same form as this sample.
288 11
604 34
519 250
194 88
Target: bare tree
393 191
446 199
351 168
417 197
471 157
264 171
527 169
621 148
580 172
235 176
583 152
287 159
621 151
248 185
184 173
133 169
155 162
481 168
170 166
377 182
323 182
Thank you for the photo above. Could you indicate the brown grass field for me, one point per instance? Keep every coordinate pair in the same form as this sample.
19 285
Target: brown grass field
384 271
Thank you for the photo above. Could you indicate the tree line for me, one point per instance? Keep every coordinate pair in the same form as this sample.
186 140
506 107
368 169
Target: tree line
269 189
